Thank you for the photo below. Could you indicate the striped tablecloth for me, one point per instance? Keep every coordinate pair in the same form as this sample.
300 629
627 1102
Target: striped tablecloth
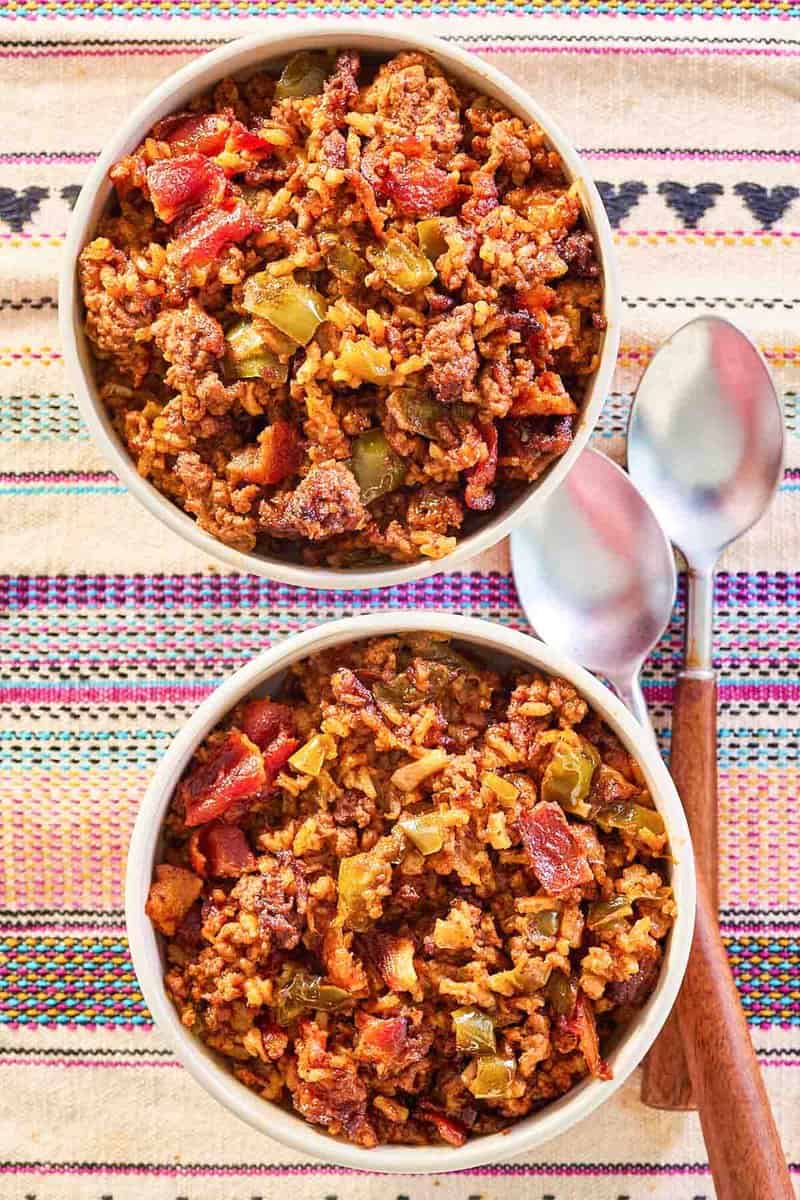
112 629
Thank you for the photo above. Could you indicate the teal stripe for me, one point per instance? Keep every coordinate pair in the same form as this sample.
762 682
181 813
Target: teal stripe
36 418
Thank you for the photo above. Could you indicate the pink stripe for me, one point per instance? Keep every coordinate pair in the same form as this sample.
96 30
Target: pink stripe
42 930
122 693
675 51
57 476
670 51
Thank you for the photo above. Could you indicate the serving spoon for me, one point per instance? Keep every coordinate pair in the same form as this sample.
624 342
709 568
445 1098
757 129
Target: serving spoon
596 578
705 448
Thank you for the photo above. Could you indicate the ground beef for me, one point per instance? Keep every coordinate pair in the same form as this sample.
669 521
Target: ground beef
278 896
450 348
117 308
334 149
327 502
211 501
577 251
189 337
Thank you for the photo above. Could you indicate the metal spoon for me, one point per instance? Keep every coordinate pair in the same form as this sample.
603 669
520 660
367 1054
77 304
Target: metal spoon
596 575
741 1138
705 447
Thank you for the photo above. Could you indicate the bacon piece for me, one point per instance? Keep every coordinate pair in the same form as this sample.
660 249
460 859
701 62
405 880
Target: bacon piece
179 184
211 134
327 1089
478 493
581 1025
381 1041
348 689
242 140
206 232
635 990
530 443
261 720
419 189
189 933
555 855
366 194
394 958
205 132
278 454
172 893
342 966
448 1129
220 849
235 772
278 753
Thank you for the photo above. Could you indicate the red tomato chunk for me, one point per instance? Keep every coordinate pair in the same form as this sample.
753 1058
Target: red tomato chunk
220 849
235 772
180 184
206 232
555 855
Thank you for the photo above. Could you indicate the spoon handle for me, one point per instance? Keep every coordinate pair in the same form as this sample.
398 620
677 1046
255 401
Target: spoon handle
693 763
744 1150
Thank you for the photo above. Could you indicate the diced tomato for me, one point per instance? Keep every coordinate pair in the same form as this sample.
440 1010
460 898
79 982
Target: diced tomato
243 140
278 454
556 857
234 773
380 1040
262 719
478 493
205 233
278 753
220 849
179 184
211 134
419 189
581 1025
205 132
448 1128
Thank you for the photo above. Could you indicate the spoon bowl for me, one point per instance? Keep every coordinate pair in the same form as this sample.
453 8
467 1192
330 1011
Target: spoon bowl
597 579
705 438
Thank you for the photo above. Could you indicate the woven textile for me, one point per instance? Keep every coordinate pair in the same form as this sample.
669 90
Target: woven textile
113 630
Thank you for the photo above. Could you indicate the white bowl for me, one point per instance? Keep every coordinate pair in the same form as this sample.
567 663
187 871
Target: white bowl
172 95
264 673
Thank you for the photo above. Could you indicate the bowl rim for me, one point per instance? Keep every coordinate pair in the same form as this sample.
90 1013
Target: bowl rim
173 92
292 1130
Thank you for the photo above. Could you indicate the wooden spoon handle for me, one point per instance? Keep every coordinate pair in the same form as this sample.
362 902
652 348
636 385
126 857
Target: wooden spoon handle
693 763
747 1162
